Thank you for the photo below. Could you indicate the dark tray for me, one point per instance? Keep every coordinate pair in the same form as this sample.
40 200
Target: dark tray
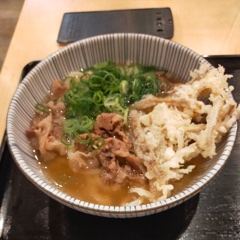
27 213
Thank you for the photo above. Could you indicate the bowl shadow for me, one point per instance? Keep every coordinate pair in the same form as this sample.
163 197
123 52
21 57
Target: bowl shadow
66 223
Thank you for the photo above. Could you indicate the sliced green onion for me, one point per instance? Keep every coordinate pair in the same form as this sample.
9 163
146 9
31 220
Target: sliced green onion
98 97
42 108
110 101
106 87
72 127
95 144
136 88
125 117
84 141
66 140
124 87
95 82
100 65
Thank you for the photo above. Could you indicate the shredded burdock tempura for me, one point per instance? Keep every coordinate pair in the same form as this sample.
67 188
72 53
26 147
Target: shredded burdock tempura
167 132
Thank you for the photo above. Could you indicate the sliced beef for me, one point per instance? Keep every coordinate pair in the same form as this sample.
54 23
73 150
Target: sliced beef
118 164
31 135
78 146
79 157
111 125
58 113
80 160
57 89
45 134
108 123
114 158
56 107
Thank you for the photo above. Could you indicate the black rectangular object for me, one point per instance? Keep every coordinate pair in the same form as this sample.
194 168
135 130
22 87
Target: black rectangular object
78 25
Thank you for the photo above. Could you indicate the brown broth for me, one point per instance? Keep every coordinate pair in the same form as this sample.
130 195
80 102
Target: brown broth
86 184
200 164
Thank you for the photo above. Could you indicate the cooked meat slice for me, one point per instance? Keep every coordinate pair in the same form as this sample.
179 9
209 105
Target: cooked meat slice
130 159
118 164
78 160
114 173
111 125
108 123
42 138
57 89
57 107
42 131
31 135
54 145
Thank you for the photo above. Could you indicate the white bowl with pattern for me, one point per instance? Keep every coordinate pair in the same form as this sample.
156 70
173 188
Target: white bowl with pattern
119 48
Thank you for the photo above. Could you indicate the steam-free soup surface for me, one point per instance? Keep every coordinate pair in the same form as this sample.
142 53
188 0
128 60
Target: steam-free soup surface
86 185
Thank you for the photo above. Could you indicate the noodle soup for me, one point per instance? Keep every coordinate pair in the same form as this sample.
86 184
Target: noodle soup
124 134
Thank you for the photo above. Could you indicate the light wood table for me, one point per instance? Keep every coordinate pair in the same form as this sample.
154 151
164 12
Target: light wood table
207 27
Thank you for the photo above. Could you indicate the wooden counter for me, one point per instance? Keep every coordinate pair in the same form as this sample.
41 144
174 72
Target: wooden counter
207 27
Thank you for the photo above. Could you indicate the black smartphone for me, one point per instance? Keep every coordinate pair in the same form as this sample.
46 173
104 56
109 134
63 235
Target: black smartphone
79 25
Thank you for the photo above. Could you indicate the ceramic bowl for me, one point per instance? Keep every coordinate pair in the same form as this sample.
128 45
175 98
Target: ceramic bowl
119 48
